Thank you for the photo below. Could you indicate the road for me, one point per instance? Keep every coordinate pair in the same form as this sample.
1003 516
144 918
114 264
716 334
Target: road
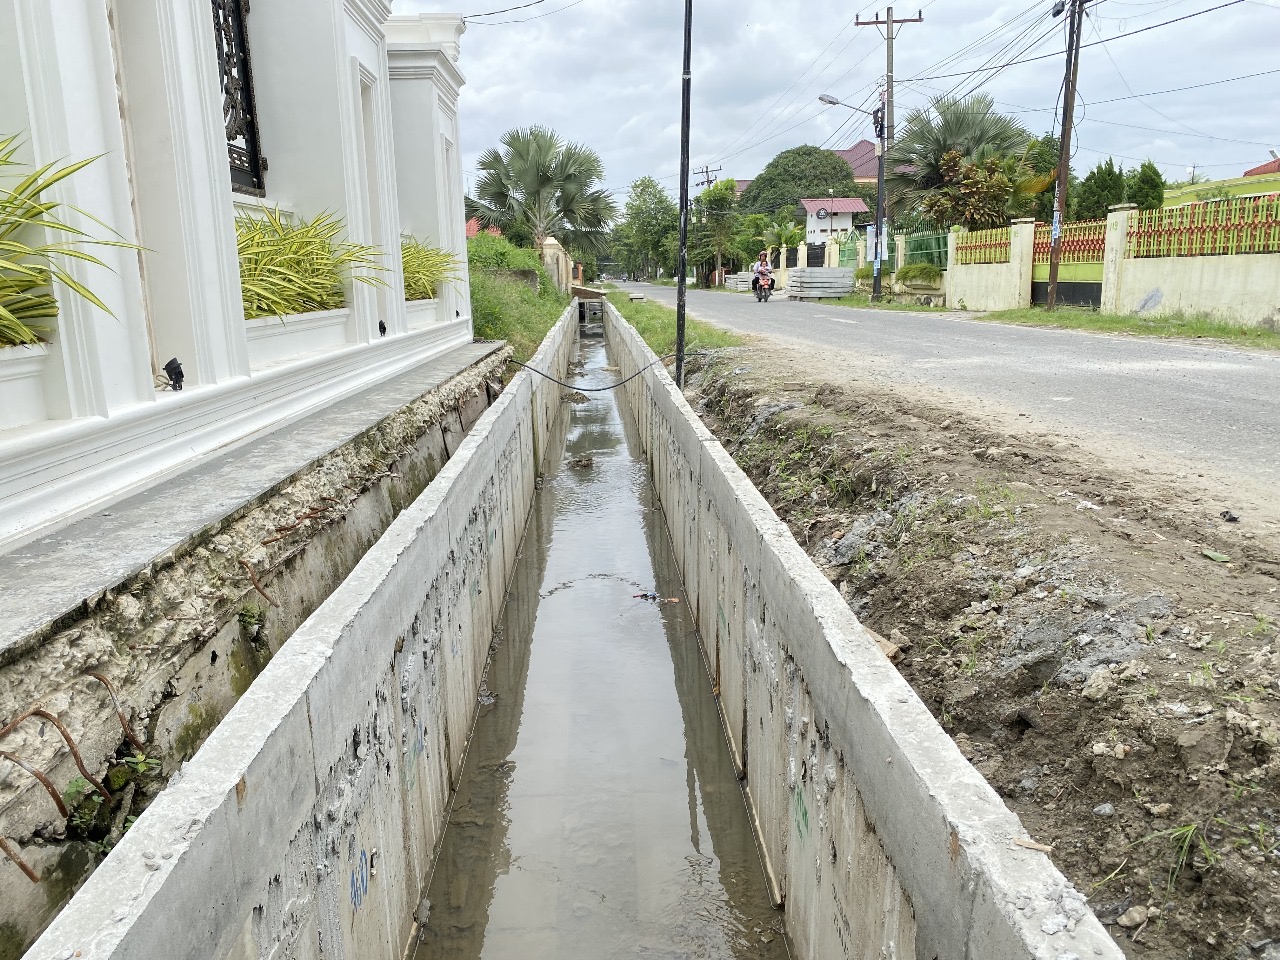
1213 408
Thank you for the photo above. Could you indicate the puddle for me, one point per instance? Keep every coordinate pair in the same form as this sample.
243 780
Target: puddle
598 814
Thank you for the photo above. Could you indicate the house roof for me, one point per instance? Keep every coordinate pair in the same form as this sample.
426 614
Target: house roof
1271 166
473 229
836 205
742 185
861 158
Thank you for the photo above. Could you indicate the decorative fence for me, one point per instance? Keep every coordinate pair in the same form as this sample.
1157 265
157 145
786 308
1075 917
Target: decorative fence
927 248
1082 242
983 246
1215 228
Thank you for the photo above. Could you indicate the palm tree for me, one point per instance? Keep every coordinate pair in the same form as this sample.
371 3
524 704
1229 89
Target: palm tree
779 234
969 127
541 185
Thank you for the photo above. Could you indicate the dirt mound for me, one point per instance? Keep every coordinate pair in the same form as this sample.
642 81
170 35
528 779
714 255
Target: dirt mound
1106 658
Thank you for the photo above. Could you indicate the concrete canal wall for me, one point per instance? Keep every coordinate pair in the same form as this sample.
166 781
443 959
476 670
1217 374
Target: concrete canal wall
877 834
307 824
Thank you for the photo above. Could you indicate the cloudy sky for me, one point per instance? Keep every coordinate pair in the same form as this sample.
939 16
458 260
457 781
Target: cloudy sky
607 73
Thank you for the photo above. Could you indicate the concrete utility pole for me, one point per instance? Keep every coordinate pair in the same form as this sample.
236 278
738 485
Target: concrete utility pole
682 263
883 216
1075 29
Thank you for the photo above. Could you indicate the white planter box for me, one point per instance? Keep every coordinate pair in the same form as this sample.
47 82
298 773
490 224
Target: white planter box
272 340
22 385
420 313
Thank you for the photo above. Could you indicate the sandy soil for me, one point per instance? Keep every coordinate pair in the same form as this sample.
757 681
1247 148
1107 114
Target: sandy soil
1097 637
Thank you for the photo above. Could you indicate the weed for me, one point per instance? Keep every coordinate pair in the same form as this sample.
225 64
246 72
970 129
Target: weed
1261 624
1186 840
76 791
142 764
251 616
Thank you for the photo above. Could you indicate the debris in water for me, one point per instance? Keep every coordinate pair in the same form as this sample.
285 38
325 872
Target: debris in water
582 463
654 598
574 396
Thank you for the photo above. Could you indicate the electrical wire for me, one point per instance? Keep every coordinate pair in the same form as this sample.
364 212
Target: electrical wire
539 16
1118 36
612 386
494 13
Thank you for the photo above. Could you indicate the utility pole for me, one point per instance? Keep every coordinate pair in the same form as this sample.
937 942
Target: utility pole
883 217
682 262
706 173
1075 29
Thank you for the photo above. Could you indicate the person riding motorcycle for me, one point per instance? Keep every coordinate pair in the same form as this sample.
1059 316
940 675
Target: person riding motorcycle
761 269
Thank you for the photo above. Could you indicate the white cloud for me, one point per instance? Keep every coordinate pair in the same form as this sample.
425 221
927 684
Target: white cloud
607 73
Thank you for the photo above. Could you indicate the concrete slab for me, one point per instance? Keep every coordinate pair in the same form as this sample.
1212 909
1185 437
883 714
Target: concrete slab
50 579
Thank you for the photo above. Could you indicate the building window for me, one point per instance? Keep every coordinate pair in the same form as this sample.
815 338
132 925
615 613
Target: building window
238 114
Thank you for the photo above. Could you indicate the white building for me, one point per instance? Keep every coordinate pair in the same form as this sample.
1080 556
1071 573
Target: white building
199 110
832 215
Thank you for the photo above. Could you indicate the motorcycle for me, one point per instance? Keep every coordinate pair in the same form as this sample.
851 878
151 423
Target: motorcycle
764 287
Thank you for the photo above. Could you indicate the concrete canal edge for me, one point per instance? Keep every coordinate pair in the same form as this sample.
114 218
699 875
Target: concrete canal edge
878 835
309 820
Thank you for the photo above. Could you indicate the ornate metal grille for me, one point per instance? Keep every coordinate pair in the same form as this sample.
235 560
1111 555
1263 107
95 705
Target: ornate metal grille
248 166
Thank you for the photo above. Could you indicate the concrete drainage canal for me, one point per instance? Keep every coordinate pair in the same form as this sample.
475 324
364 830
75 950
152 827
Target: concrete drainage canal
611 710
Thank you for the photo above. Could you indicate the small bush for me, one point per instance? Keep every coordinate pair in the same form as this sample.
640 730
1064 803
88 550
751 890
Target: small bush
919 273
288 268
425 268
864 272
487 252
503 308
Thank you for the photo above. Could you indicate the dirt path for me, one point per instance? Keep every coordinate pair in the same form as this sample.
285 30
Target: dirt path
1099 640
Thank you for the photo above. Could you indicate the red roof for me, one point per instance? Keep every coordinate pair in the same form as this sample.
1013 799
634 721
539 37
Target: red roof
473 229
1271 166
836 205
742 185
861 158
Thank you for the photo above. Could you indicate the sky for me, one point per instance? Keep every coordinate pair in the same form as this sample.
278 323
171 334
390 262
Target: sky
606 73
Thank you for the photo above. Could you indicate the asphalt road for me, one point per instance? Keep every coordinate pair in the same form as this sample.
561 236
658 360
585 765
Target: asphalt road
1212 407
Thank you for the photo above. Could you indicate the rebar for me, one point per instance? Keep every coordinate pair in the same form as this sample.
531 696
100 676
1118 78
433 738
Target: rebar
39 775
128 731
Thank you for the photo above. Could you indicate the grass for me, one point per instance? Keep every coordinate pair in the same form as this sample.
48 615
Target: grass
860 299
1170 325
504 308
657 324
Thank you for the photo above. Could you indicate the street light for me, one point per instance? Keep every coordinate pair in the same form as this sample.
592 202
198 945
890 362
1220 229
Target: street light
877 117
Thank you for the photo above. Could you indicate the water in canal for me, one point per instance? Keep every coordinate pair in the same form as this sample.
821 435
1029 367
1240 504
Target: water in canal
598 815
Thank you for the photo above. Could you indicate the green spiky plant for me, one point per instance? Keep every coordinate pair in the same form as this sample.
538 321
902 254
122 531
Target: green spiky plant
288 268
425 268
36 241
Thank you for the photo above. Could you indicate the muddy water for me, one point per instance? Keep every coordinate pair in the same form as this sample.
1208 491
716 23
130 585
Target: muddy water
598 815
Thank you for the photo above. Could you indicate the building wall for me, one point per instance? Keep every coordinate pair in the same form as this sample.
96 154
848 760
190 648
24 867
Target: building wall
136 83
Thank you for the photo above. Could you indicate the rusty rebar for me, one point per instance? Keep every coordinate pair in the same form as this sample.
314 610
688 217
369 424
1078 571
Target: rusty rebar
256 585
128 731
39 775
66 736
12 854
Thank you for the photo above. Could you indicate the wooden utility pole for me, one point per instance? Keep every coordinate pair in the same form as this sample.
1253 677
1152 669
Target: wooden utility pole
883 216
706 173
1075 29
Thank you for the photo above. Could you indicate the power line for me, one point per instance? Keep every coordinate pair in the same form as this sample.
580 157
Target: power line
493 13
1118 36
539 16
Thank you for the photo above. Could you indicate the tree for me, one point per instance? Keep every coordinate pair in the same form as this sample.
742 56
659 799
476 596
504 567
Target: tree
541 186
1041 157
717 206
971 128
748 238
1145 187
783 234
973 195
1102 189
796 174
649 217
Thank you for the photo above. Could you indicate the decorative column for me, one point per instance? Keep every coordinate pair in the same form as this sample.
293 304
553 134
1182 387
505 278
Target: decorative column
1022 243
954 294
179 126
422 51
98 362
1115 247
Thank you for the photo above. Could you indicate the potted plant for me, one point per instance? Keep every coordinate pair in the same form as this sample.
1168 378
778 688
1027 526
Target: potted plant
36 243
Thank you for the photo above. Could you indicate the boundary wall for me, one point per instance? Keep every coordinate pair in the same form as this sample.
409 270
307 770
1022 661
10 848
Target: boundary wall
877 834
993 286
306 826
